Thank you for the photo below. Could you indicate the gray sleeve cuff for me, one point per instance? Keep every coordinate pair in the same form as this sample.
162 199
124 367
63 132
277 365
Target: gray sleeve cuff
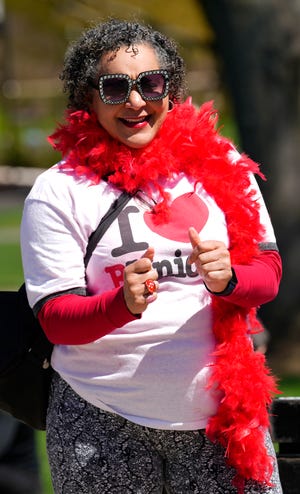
77 291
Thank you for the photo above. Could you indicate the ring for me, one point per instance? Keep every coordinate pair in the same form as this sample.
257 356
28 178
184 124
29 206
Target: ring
151 286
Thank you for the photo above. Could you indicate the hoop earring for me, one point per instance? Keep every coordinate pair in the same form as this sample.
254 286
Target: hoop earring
171 105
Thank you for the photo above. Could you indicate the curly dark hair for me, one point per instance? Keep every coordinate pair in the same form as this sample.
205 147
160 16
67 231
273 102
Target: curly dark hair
82 59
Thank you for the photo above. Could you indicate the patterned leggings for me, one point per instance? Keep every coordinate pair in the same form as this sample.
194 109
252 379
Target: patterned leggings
95 452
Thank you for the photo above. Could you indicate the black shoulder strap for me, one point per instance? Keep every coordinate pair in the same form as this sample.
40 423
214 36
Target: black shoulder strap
104 224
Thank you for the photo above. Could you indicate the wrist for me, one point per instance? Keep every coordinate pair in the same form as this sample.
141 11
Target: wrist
229 288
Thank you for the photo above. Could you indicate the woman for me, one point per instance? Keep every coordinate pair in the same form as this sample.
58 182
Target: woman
157 385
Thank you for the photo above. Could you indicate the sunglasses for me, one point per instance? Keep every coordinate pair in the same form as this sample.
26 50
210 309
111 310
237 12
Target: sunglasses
152 85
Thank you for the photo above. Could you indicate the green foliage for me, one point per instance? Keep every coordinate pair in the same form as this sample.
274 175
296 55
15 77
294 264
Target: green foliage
32 46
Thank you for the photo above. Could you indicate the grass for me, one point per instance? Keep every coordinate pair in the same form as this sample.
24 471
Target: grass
290 385
10 266
11 277
10 217
10 257
11 273
43 460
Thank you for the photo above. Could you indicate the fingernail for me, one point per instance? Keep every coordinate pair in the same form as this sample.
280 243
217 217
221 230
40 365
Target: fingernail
151 298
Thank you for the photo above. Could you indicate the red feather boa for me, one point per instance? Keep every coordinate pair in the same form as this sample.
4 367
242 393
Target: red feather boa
188 142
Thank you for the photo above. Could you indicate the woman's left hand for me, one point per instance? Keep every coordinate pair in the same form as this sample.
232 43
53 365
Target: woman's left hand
212 260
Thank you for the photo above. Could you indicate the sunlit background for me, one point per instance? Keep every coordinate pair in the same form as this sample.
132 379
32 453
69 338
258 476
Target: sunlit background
243 54
34 36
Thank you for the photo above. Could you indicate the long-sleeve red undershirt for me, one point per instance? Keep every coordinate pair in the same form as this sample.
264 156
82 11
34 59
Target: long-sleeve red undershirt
74 319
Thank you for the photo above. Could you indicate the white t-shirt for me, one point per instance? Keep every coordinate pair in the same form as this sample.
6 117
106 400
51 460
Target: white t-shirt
154 370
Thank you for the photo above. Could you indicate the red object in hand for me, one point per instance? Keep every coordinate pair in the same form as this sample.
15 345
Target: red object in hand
151 286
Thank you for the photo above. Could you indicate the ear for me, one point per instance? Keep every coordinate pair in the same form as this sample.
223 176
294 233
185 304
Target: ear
171 105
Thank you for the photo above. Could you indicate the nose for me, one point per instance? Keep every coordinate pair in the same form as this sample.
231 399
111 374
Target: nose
135 100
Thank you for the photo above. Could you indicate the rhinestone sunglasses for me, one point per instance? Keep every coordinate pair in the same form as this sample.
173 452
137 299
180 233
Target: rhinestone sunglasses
152 85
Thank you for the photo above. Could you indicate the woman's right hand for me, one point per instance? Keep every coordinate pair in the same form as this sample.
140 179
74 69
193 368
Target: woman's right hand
136 294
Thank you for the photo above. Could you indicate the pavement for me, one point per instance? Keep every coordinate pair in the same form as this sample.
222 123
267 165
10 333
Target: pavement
15 183
12 196
18 175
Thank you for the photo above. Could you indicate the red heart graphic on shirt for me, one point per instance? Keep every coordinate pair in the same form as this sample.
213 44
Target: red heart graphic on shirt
185 211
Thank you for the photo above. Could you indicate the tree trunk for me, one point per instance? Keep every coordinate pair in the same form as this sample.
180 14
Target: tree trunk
259 48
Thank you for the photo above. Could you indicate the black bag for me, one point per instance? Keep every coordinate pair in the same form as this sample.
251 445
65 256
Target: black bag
25 352
25 370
